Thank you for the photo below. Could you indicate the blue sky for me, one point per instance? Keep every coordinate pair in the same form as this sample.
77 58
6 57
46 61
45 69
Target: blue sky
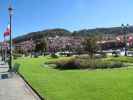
35 15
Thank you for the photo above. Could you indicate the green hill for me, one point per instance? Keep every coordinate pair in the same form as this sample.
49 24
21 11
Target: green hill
63 32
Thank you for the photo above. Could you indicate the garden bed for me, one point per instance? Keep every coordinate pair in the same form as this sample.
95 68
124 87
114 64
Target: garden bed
86 63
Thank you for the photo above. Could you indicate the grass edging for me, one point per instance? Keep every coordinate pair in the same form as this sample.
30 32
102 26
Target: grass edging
41 98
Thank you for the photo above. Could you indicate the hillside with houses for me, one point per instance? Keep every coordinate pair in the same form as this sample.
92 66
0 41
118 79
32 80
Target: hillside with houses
55 40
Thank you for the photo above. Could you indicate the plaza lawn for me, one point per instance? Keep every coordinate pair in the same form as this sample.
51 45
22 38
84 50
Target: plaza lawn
108 84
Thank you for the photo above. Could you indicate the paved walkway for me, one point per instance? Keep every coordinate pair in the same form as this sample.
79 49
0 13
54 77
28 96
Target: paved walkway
14 88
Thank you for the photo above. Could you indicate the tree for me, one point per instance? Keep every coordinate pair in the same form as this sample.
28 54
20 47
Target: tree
41 46
100 39
44 44
90 45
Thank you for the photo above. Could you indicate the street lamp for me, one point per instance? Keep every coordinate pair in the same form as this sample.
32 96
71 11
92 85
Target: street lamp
125 32
10 9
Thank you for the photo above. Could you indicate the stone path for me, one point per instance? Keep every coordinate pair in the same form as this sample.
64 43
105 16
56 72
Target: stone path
14 88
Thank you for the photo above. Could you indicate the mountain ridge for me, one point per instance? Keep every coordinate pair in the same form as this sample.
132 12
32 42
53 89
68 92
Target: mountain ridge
63 32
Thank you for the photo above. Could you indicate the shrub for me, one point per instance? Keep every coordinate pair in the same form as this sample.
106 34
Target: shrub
99 64
54 55
36 55
15 56
83 64
104 55
75 63
115 54
96 56
68 54
122 59
85 56
102 64
117 65
130 49
68 64
45 54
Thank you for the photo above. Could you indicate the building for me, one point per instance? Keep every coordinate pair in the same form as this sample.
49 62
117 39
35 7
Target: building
25 46
57 43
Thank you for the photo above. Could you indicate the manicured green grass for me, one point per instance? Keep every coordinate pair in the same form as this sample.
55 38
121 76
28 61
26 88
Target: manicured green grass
115 84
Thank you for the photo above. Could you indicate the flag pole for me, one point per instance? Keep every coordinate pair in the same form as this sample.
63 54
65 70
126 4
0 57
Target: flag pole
10 9
4 49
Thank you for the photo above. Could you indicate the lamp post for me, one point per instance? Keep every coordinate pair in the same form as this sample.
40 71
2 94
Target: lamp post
125 32
10 9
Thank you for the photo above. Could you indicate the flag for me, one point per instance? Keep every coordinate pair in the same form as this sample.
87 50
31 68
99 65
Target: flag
130 39
7 32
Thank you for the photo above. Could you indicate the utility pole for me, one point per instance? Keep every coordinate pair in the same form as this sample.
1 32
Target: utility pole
10 9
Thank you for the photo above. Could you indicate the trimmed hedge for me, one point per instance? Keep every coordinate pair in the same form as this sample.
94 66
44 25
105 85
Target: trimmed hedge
75 63
122 59
99 64
107 64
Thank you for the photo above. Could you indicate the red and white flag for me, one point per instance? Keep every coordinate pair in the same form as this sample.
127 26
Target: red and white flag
7 32
130 39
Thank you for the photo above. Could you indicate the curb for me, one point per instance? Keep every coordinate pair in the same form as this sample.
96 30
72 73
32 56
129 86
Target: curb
41 98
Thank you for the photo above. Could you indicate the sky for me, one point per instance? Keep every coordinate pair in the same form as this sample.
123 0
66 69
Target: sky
36 15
